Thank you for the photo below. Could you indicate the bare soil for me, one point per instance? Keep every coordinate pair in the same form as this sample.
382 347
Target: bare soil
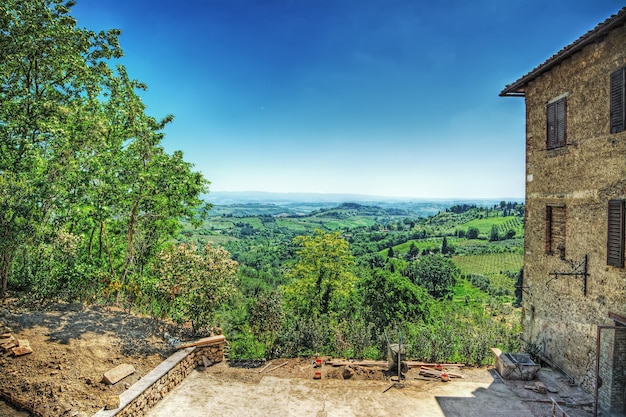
73 345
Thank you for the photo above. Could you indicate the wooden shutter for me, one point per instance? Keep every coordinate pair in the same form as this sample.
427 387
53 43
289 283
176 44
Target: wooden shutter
561 112
556 116
555 230
617 100
615 234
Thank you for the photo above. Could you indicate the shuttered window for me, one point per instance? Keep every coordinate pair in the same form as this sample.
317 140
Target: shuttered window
618 107
615 234
555 230
556 114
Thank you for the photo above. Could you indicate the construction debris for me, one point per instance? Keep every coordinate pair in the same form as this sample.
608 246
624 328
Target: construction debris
537 387
206 341
22 348
265 367
7 343
433 373
118 373
276 367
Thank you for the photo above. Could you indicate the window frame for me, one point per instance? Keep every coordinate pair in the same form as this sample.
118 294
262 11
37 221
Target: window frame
617 98
552 246
615 237
556 123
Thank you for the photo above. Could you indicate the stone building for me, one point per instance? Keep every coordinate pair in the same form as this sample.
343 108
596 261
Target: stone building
574 290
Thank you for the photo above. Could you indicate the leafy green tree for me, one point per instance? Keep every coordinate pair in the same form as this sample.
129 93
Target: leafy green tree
78 153
436 273
390 252
389 298
322 275
266 317
472 233
50 73
194 281
413 251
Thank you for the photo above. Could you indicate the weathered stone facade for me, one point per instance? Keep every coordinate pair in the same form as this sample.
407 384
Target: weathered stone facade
562 312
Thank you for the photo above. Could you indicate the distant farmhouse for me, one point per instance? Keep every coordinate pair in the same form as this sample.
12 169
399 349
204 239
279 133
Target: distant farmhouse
574 299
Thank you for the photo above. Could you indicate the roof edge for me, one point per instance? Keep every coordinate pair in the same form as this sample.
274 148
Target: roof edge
517 88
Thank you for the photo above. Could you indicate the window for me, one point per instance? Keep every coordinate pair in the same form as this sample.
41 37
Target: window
555 230
618 108
556 118
615 234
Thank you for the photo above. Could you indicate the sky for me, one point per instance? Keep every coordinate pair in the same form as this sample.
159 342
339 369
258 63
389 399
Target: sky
395 98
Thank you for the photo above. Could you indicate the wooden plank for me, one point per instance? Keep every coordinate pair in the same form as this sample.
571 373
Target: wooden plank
206 341
276 367
416 364
432 372
265 367
118 373
357 363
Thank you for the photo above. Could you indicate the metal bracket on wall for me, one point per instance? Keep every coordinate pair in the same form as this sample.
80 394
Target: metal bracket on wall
579 269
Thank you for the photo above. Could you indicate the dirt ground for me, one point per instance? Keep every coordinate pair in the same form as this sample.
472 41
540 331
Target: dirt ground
73 345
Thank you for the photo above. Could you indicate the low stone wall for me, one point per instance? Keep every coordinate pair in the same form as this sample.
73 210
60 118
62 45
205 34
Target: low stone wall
146 392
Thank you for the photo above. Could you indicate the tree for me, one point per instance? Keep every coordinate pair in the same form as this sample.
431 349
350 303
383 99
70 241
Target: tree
390 298
435 273
194 281
266 317
494 236
78 154
413 251
444 246
390 253
322 276
50 76
472 233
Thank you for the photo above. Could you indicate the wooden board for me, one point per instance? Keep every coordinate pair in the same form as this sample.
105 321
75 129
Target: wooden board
118 373
357 363
213 340
432 372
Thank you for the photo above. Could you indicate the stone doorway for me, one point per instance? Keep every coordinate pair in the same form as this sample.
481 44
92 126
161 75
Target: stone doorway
611 371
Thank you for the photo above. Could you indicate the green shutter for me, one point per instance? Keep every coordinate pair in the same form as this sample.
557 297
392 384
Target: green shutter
615 234
556 116
617 100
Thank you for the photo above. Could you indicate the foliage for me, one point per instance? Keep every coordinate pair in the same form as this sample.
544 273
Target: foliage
435 273
322 274
79 155
195 281
389 298
266 317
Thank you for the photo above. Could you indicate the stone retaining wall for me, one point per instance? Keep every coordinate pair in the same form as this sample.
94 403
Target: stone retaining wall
146 392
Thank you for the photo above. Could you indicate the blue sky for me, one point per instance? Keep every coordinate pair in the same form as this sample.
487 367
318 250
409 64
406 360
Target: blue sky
380 97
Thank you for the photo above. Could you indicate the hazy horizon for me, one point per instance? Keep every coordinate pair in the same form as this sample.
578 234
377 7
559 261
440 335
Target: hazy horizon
396 98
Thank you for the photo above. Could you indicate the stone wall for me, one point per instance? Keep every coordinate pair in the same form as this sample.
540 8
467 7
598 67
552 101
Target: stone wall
143 395
582 176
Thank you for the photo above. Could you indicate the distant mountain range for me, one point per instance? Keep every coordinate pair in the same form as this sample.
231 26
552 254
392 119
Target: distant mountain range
308 202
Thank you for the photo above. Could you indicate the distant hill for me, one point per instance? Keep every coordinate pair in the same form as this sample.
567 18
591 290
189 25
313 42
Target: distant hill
256 202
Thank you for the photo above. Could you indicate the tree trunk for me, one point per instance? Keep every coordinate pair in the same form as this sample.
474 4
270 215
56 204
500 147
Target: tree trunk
5 267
